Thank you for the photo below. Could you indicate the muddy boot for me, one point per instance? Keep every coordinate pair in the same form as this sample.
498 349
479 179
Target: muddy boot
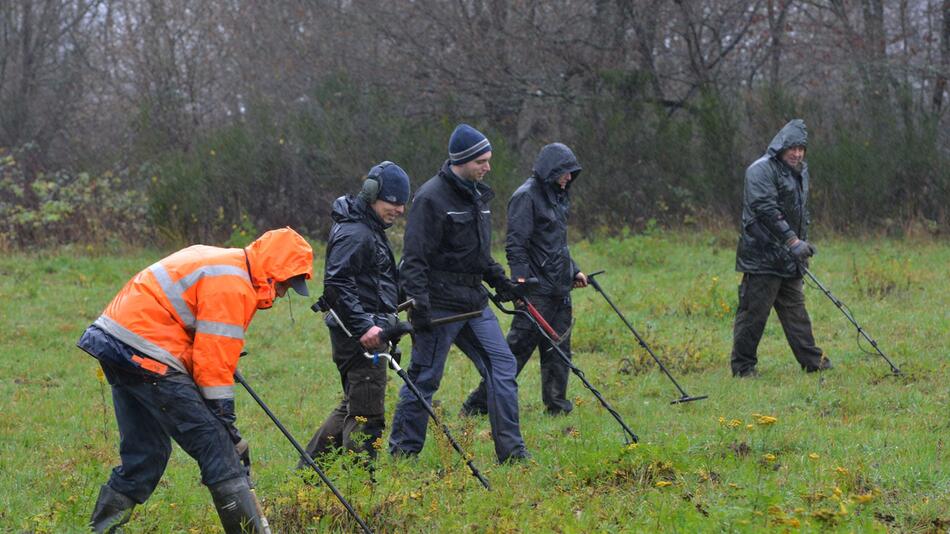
238 507
112 510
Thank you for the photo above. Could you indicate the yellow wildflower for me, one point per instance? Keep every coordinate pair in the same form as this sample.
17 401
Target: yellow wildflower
750 426
769 457
360 419
814 456
863 499
841 470
766 420
663 483
734 423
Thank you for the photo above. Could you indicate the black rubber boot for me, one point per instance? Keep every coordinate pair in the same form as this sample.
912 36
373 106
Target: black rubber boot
111 512
238 508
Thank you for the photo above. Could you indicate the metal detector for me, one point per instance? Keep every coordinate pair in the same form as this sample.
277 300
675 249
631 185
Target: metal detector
390 337
303 453
496 300
684 397
840 305
847 313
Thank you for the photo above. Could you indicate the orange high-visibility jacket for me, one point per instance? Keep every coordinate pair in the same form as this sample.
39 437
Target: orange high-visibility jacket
190 310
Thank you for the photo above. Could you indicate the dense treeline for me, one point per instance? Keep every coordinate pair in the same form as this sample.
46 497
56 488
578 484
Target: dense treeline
203 119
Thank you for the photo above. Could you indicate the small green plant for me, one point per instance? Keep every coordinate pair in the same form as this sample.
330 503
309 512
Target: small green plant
706 296
242 233
878 277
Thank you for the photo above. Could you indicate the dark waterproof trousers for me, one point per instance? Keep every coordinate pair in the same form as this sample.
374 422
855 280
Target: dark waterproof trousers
482 341
149 410
758 294
358 422
523 338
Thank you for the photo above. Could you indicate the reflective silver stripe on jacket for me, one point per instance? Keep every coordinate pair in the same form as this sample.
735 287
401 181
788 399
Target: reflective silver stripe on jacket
139 343
220 329
175 291
217 392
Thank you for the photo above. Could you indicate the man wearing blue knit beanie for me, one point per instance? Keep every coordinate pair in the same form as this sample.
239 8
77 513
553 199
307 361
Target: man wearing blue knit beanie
446 257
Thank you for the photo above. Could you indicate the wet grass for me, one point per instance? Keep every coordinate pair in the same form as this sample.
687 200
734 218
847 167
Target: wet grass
850 450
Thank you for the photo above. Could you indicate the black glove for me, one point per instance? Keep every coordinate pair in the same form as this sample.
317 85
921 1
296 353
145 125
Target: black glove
507 290
420 320
801 249
243 451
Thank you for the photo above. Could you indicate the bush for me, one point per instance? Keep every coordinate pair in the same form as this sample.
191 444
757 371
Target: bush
40 208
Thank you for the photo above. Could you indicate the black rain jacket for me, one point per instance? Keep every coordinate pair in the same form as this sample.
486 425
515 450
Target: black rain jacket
360 280
447 245
536 243
774 208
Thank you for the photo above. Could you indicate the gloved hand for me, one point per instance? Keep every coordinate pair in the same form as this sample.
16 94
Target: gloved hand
243 451
801 249
420 320
507 290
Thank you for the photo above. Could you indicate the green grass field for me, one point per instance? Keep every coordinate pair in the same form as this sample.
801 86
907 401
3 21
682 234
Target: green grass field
852 450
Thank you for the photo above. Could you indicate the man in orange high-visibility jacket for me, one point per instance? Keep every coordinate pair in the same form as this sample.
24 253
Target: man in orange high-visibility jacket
169 344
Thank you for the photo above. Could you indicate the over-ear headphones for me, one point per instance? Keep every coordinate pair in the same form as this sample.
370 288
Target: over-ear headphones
373 182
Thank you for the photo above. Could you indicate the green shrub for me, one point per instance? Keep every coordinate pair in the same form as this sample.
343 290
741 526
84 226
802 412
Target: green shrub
40 208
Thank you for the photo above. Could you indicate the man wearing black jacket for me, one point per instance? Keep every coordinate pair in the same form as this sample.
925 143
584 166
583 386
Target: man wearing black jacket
360 283
536 247
447 255
771 249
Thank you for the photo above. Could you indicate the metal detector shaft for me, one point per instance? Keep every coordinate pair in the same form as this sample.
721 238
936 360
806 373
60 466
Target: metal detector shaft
303 453
445 429
684 397
542 322
844 310
458 317
428 407
629 435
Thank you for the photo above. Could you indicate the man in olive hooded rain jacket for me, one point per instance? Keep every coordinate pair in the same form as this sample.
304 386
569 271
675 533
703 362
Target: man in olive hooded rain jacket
772 250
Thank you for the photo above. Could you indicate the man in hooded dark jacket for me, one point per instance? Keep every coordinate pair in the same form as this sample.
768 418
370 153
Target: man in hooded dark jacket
772 249
536 247
446 258
360 284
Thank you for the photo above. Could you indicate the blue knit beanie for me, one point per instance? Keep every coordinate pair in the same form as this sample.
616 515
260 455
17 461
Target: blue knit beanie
466 144
393 184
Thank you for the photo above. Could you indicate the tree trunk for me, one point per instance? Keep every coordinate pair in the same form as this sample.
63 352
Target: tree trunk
941 85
